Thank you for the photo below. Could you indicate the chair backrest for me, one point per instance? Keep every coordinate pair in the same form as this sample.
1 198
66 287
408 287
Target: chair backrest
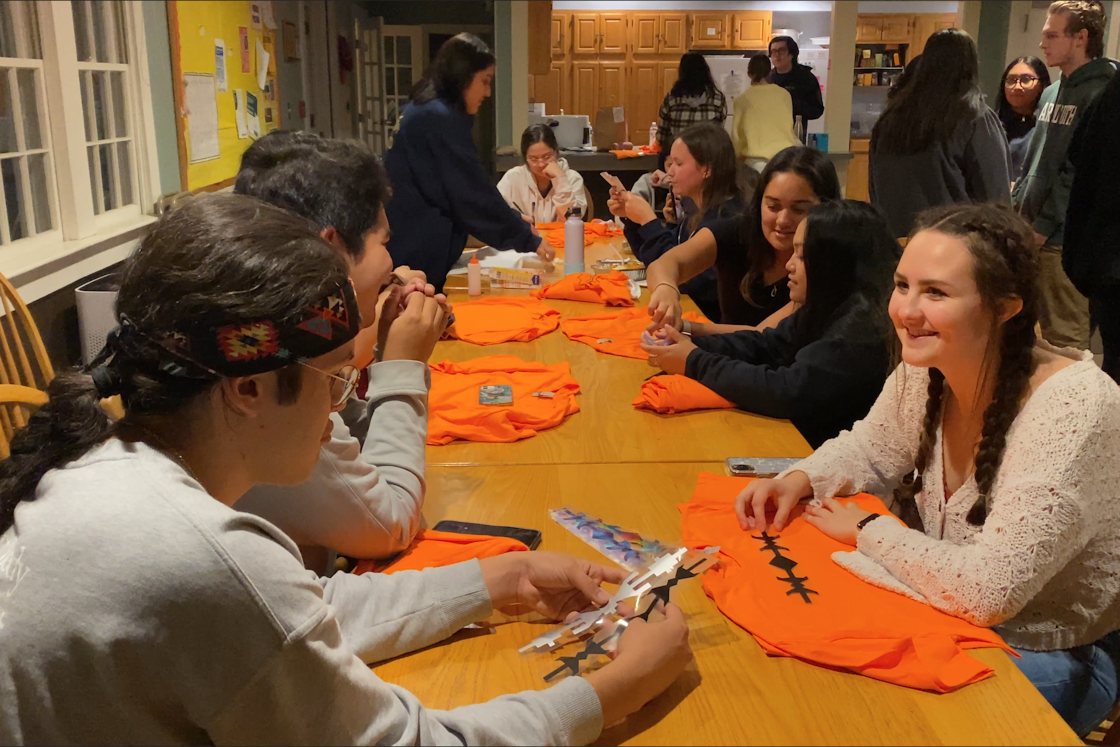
589 213
16 405
18 333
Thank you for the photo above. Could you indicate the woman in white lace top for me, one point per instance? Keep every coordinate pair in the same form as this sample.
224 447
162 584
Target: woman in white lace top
1015 450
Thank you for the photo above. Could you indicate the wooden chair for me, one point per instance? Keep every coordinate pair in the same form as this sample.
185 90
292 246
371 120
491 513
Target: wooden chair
1108 732
16 405
18 333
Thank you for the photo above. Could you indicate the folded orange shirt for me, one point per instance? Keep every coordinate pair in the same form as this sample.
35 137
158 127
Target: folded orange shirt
454 412
498 319
786 591
612 289
673 393
432 549
615 332
593 231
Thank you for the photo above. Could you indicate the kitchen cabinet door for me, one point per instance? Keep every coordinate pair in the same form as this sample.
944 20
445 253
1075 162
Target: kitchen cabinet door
710 31
751 29
674 33
585 33
645 33
561 34
612 33
585 88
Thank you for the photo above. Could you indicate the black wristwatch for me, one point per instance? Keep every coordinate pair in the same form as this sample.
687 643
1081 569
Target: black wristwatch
865 521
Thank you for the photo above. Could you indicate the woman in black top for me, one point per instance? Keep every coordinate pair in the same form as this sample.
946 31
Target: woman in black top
704 174
1020 89
749 253
824 366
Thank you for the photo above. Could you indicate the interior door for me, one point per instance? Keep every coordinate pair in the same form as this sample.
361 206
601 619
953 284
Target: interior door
372 127
402 66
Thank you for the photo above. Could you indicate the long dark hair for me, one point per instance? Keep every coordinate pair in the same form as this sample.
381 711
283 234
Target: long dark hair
538 133
711 146
904 78
1005 265
1003 108
459 59
944 92
694 77
812 166
216 260
850 255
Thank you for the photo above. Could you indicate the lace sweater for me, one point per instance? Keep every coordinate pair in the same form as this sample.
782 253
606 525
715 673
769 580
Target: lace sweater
1044 569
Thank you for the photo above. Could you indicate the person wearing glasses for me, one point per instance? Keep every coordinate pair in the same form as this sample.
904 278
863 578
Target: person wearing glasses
140 607
364 498
1017 104
803 86
543 189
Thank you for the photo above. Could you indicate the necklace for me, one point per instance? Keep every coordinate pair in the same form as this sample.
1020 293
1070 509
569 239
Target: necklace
166 448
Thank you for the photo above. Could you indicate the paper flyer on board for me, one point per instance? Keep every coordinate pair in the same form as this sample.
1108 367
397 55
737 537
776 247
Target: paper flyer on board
220 65
201 104
243 34
262 66
239 113
251 115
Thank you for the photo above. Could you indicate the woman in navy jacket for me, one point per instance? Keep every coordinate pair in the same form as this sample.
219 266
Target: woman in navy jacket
441 192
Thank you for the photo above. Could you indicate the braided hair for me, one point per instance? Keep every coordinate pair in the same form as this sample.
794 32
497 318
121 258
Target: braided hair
1005 265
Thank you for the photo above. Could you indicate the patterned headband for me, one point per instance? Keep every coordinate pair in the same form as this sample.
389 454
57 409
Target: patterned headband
249 348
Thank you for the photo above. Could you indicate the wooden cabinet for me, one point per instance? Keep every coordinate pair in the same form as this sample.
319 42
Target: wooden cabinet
857 186
711 30
645 99
889 28
585 88
658 33
585 33
560 34
612 85
925 25
612 33
869 29
674 33
553 90
751 29
543 39
897 29
599 33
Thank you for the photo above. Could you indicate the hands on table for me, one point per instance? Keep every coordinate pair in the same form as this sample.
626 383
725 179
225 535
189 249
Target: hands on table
835 519
669 358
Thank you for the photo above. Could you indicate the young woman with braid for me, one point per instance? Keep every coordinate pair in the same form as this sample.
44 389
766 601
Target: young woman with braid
1015 445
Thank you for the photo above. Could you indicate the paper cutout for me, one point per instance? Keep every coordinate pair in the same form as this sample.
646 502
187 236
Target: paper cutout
629 549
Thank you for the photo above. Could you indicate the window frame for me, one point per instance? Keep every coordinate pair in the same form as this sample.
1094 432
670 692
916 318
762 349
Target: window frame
80 237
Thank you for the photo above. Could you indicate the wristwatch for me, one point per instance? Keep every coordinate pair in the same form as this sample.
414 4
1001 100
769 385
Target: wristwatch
865 521
686 328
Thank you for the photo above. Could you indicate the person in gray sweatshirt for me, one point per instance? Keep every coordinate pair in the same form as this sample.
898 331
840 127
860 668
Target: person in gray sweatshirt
138 607
1073 40
365 497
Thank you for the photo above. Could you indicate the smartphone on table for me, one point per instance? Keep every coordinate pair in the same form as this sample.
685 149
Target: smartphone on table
759 466
531 538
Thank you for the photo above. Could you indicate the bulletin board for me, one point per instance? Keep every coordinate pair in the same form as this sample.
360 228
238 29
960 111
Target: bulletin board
216 45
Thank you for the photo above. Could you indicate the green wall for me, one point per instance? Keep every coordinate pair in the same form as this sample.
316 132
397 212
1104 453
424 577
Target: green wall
995 16
503 79
163 101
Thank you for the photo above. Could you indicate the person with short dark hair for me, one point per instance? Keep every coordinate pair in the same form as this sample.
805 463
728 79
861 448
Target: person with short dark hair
1020 91
543 189
803 86
694 98
1072 40
763 122
441 192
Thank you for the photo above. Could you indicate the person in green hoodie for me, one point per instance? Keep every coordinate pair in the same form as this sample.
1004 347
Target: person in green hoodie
1073 40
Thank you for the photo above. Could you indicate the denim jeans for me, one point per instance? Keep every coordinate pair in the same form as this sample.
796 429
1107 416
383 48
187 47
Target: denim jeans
1080 683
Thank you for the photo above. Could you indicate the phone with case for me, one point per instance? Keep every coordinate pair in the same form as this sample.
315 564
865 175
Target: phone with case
759 466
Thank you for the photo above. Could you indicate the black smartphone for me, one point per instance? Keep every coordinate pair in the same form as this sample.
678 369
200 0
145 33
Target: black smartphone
531 538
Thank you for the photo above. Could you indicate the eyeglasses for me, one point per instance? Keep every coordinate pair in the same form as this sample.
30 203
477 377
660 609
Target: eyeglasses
343 383
541 160
1023 81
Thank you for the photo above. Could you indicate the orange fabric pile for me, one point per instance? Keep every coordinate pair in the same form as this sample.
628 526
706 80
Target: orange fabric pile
454 412
672 393
614 332
431 549
787 592
498 319
641 150
612 289
593 231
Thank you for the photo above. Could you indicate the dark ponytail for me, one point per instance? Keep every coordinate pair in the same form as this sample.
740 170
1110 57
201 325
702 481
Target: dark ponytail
216 260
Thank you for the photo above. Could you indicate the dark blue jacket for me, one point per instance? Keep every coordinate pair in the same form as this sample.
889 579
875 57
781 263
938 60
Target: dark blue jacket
441 193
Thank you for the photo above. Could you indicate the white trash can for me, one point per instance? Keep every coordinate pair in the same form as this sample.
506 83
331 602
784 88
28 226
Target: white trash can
97 313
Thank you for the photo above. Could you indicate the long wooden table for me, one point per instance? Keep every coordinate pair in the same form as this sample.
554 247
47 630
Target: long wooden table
733 693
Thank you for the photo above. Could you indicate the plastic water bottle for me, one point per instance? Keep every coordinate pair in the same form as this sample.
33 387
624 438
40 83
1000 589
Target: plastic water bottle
573 242
652 133
799 128
474 277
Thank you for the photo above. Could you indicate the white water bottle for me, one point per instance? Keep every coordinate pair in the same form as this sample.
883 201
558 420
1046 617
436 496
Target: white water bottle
652 134
573 242
474 277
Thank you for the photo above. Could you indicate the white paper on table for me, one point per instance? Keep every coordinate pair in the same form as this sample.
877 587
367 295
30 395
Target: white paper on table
266 14
239 113
262 66
489 257
201 104
220 65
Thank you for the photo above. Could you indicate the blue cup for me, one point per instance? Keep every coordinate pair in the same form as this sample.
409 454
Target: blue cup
822 142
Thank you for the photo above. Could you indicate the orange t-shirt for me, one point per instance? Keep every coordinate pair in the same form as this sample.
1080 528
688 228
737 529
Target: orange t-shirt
593 231
614 332
787 592
454 412
432 549
498 319
674 393
612 289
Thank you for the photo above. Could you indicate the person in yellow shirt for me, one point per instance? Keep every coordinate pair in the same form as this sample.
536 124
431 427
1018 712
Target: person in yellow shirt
763 120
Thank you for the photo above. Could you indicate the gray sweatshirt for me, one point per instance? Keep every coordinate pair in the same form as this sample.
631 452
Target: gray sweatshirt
137 609
365 497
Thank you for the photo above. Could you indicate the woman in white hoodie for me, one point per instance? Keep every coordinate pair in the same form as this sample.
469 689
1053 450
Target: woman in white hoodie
543 188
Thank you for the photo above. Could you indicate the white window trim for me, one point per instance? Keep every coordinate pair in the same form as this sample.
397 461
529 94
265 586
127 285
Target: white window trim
86 243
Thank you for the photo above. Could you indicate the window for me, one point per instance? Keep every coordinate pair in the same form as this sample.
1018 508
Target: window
28 206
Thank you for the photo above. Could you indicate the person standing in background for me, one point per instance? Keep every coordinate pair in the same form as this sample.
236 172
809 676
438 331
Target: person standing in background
1020 90
441 192
763 123
693 99
1073 40
1091 255
798 79
919 161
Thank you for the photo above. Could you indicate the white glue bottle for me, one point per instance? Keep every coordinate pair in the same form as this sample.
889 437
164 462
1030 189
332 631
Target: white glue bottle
474 277
573 242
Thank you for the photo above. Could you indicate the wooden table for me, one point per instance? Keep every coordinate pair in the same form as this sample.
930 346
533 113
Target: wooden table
608 428
733 693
